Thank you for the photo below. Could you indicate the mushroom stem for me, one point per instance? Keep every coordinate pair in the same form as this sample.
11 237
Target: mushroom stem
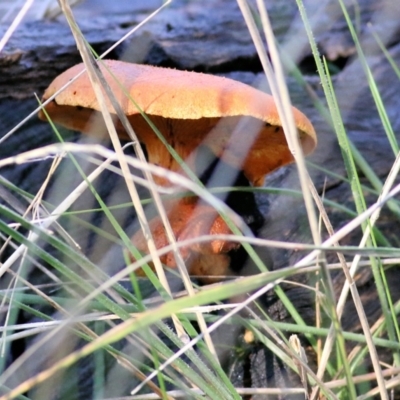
190 218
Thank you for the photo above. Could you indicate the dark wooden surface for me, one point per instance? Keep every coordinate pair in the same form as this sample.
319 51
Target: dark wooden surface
214 39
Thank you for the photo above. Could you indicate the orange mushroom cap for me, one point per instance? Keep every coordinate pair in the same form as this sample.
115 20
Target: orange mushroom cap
189 109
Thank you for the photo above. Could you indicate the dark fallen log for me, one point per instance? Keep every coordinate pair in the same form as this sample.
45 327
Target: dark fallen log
192 36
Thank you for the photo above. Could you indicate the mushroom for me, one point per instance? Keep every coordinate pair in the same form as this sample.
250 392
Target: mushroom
237 123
